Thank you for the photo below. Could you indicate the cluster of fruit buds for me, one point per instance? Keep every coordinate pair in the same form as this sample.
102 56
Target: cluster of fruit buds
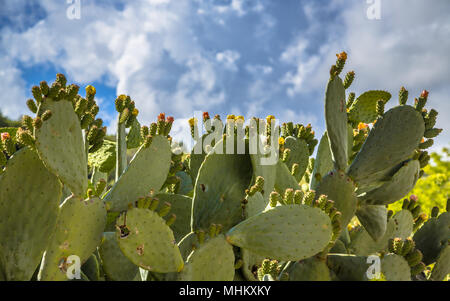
406 248
299 131
163 125
340 63
193 124
290 197
8 146
419 217
96 135
86 108
127 110
152 203
268 267
308 172
213 231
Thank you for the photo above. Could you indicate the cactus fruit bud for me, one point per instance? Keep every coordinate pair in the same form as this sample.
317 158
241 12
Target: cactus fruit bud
258 187
212 230
90 91
32 105
154 204
390 213
86 121
219 228
120 103
426 144
37 94
414 257
27 122
420 103
431 133
286 154
148 141
275 198
171 220
391 245
403 96
294 169
418 268
419 221
46 115
408 245
289 196
144 131
349 77
193 125
281 141
405 204
416 211
350 100
380 107
25 137
298 197
165 209
435 212
8 144
44 88
61 79
200 236
37 122
340 63
168 125
309 197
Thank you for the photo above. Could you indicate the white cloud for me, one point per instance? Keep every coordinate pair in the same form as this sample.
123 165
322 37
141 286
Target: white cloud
258 70
13 89
228 59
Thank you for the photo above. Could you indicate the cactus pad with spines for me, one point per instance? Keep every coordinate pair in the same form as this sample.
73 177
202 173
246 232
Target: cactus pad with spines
336 121
284 178
401 183
29 200
116 266
395 268
309 269
364 108
60 145
290 232
210 261
148 242
391 141
219 190
147 171
78 231
340 189
374 220
442 266
348 267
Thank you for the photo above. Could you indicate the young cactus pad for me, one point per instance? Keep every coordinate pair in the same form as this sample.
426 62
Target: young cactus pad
364 108
79 230
60 144
29 199
395 268
148 242
290 232
374 220
147 171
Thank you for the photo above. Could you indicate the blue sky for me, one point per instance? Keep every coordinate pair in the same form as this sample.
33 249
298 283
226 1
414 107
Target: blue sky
245 57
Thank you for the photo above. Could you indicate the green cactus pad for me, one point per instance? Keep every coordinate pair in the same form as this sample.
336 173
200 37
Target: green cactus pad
181 207
150 243
79 230
134 138
374 220
391 141
364 108
105 158
341 189
324 162
251 262
348 267
349 140
91 268
395 268
291 232
211 261
338 248
336 121
397 187
29 200
219 190
442 266
116 266
60 145
310 269
186 186
299 154
147 171
284 179
256 204
433 237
